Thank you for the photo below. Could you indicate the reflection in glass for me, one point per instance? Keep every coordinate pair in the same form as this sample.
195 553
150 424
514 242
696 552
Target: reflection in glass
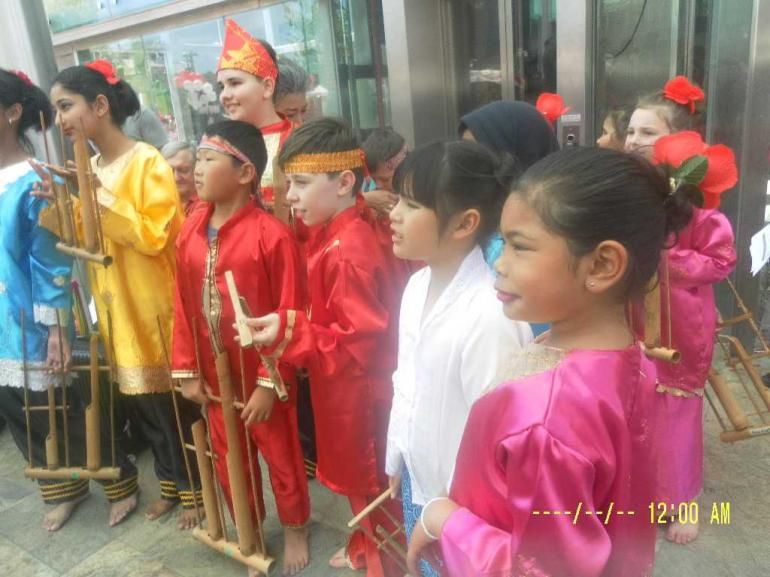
67 14
174 71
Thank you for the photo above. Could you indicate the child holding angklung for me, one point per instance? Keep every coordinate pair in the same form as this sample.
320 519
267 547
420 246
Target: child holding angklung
346 335
231 231
549 460
141 215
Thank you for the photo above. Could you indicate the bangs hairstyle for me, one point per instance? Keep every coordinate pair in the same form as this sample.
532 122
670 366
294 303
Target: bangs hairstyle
33 102
89 84
450 177
245 137
591 195
319 136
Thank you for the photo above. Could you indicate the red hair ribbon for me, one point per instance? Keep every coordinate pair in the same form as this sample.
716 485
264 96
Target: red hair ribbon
23 77
680 90
106 69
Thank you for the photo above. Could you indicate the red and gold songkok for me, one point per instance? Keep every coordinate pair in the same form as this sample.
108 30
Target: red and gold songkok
241 51
317 162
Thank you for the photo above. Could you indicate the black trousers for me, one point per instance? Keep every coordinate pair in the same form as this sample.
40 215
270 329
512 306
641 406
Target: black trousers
152 416
78 397
306 424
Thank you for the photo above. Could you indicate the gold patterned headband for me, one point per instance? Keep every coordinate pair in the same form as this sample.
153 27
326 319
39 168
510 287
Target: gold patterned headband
318 162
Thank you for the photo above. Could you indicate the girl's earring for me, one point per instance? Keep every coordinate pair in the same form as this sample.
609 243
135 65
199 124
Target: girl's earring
591 284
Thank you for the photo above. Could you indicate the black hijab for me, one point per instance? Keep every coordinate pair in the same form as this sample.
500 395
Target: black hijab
513 127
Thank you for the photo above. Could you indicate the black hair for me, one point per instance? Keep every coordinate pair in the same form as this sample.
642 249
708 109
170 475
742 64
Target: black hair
322 135
33 101
90 84
449 177
294 79
245 137
590 195
677 116
382 145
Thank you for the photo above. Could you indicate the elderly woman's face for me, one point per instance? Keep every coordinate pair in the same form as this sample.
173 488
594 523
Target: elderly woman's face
183 164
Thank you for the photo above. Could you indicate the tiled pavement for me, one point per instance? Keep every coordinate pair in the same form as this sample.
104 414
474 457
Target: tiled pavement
86 547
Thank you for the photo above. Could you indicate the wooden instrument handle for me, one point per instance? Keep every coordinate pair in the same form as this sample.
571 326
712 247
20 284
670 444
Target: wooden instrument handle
370 507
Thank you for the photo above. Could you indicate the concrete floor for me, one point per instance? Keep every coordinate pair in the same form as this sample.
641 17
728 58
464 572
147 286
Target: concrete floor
735 474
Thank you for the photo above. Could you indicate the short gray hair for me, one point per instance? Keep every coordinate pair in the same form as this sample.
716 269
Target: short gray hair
293 78
171 149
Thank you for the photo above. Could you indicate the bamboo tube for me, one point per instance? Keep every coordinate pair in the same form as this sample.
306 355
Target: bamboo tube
70 473
93 416
735 414
751 370
52 439
23 323
663 354
87 201
63 383
387 494
261 563
178 419
76 252
734 436
652 315
236 474
207 481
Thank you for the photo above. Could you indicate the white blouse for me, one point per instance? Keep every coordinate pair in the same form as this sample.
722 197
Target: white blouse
445 362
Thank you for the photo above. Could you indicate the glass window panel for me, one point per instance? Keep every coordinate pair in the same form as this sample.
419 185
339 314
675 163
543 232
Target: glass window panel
174 71
67 14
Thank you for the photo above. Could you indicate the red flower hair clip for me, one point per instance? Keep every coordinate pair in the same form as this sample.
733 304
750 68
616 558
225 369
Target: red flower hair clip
684 92
23 77
106 69
551 105
692 161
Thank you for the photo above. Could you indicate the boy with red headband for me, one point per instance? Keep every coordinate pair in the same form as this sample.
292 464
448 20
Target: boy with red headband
231 232
248 78
346 337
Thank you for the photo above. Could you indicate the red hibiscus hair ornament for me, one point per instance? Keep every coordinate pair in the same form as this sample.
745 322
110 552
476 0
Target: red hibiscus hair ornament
690 160
551 105
680 90
106 69
23 77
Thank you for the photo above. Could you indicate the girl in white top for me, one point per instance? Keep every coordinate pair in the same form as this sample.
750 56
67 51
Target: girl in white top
453 336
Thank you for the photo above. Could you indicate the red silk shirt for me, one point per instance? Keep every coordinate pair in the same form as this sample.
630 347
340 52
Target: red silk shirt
347 340
267 267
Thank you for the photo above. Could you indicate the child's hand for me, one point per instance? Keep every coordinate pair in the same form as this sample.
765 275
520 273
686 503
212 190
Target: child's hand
264 329
193 390
59 352
381 201
434 516
42 189
259 407
394 482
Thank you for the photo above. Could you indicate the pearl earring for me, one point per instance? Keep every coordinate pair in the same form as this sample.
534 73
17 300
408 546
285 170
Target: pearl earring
591 284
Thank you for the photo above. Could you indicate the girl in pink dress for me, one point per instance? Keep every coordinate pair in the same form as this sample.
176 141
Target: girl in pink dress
556 469
702 254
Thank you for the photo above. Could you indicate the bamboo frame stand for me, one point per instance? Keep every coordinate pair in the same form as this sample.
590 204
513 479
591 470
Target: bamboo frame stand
386 541
93 468
743 424
248 546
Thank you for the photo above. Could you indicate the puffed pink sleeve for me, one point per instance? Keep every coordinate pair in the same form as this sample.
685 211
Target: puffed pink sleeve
540 473
708 257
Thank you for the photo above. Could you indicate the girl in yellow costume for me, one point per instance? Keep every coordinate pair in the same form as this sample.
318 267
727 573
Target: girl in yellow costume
140 216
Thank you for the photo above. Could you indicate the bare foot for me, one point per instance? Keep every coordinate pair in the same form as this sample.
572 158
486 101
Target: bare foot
682 533
340 560
58 516
158 508
119 510
188 519
295 550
